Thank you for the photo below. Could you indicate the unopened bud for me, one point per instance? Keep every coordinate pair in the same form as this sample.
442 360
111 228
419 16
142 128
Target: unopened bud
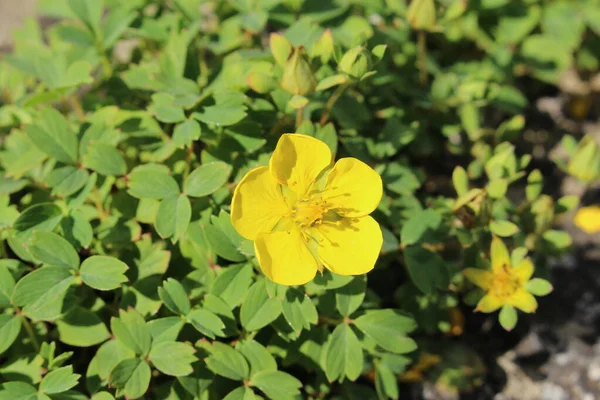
298 78
356 62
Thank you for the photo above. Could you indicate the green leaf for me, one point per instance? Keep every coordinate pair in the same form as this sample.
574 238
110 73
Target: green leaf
174 297
131 377
152 181
224 360
103 273
109 355
504 228
165 329
115 25
539 287
496 188
388 328
81 327
39 217
42 287
299 310
349 297
17 390
221 115
277 385
53 135
67 180
420 227
173 217
426 269
386 382
258 356
163 108
10 326
59 381
206 179
343 354
508 317
89 12
104 159
173 358
186 133
258 309
7 286
233 283
131 329
241 393
207 323
52 249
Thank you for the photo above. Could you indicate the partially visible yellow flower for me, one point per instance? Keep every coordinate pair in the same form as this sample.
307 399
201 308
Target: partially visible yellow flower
588 219
503 284
305 213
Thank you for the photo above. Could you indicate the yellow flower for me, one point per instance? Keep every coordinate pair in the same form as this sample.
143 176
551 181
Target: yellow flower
304 213
503 284
588 219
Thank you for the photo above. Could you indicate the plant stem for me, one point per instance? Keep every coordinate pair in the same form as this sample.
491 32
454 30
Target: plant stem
77 108
331 102
299 116
422 61
30 332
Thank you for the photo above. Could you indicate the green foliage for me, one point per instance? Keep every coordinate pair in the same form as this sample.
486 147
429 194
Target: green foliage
126 126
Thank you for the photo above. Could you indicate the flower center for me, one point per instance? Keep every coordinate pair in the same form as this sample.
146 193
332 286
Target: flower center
309 212
504 285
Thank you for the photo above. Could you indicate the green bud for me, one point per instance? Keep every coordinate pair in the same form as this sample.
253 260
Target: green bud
298 78
421 14
585 162
356 62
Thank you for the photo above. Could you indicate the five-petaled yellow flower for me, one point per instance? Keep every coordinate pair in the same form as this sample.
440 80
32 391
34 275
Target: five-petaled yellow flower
503 284
305 213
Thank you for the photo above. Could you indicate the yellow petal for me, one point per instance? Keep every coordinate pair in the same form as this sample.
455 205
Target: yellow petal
479 277
499 255
298 160
523 300
523 271
588 219
489 303
257 203
284 257
353 189
350 246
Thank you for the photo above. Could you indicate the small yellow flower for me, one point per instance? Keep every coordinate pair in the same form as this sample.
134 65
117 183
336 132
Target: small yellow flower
304 213
503 284
588 219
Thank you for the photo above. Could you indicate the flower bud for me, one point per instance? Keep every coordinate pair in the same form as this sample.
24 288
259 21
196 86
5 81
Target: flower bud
421 14
356 62
298 78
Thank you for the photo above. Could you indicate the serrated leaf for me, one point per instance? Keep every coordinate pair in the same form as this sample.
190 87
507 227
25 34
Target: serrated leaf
109 355
103 273
186 133
299 310
224 360
206 179
388 328
173 358
39 217
52 249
